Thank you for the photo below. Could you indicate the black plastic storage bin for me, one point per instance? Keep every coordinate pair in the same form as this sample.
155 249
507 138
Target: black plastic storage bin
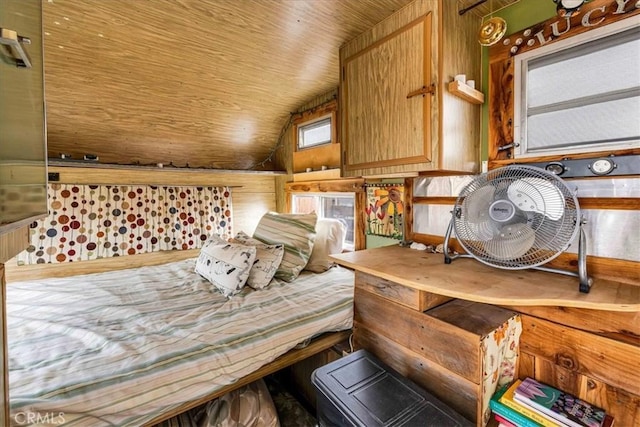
359 390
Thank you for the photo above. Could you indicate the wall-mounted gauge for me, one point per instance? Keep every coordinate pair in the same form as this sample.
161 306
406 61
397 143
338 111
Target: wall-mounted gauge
602 166
555 168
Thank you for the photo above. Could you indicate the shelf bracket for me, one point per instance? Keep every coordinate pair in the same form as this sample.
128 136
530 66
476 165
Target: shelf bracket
423 91
13 43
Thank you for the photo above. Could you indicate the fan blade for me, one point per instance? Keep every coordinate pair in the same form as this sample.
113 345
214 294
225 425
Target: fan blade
537 195
511 242
475 209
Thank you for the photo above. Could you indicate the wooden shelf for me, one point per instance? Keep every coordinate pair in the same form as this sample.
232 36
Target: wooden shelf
462 90
471 280
317 175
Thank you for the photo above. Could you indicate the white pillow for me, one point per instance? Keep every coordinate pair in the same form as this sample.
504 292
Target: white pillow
226 265
330 235
296 232
268 259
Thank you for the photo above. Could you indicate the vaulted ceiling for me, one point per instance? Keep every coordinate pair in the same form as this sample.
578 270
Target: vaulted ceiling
203 83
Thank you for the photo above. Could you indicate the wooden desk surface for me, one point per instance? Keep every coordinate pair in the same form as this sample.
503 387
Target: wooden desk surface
469 279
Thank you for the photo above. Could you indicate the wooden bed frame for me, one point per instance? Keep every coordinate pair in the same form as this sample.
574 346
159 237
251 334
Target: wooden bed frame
15 273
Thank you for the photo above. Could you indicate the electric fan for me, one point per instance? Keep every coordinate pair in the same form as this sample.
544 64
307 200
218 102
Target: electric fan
518 217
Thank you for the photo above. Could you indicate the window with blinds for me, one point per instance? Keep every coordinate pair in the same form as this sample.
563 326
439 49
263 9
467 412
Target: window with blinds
580 95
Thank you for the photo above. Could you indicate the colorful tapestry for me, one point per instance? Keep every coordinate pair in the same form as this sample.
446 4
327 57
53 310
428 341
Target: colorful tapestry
98 221
385 208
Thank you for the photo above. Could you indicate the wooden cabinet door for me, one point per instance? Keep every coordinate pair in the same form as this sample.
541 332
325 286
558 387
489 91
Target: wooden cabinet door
384 123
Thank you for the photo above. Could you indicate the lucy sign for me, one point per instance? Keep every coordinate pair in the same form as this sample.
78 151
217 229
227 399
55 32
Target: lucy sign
590 15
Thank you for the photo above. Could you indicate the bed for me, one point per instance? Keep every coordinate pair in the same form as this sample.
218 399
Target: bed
136 346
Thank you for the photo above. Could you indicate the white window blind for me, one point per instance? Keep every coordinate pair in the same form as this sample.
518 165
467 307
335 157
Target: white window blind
315 133
582 98
338 206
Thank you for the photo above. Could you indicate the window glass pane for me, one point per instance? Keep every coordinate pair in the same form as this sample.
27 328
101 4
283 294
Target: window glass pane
581 97
598 67
305 204
338 206
438 186
341 208
590 124
431 219
315 133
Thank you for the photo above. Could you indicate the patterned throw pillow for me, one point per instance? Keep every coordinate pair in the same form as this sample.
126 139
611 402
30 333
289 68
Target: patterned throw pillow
296 232
268 259
330 235
226 265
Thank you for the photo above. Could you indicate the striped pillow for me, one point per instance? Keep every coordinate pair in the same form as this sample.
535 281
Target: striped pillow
297 232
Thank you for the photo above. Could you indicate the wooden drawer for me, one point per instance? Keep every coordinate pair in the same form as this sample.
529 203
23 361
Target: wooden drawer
454 349
452 340
409 297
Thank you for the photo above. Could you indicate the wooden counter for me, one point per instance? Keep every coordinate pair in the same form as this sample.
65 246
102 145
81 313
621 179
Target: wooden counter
469 279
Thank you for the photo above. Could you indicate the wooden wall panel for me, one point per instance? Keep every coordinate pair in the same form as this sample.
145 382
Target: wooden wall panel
622 405
436 340
248 208
620 326
604 359
13 243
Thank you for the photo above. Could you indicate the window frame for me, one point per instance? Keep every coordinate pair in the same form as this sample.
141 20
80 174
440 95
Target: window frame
520 93
309 123
320 211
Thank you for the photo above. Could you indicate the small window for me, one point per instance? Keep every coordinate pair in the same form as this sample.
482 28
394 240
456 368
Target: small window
326 205
580 95
314 133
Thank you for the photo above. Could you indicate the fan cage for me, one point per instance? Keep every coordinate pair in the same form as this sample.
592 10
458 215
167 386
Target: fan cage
535 235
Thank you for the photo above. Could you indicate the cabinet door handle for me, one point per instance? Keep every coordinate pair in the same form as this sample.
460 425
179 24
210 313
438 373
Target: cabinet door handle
14 42
422 91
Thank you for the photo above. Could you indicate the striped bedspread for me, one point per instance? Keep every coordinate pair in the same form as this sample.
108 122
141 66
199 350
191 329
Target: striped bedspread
120 348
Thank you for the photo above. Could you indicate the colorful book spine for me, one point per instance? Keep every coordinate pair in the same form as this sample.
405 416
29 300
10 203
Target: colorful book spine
508 399
503 421
561 406
508 413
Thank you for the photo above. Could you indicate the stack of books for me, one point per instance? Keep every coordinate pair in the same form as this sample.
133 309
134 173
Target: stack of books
530 403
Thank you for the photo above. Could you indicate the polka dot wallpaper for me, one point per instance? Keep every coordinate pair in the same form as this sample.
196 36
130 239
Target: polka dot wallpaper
97 221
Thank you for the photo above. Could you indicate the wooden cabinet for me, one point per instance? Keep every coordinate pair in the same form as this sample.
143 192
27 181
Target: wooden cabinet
441 349
397 115
585 344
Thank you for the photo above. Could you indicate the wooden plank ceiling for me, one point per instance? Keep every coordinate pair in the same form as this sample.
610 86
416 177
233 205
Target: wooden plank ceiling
203 83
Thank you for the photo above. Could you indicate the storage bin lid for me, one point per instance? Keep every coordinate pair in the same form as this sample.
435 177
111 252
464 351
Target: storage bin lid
370 394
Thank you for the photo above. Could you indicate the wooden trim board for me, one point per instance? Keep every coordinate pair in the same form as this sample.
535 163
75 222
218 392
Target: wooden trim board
17 273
